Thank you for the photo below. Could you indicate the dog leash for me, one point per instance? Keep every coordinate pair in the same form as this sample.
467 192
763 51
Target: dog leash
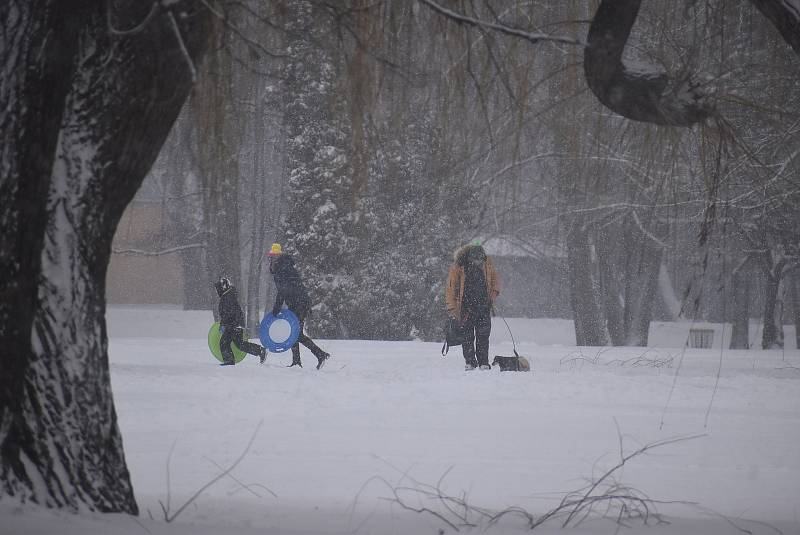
513 343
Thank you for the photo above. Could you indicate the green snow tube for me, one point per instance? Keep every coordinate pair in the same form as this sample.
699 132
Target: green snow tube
213 344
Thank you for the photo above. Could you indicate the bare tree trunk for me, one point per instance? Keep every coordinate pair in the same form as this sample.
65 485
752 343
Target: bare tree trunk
196 294
257 244
609 289
211 108
586 315
641 296
795 297
740 280
60 441
184 202
773 324
740 337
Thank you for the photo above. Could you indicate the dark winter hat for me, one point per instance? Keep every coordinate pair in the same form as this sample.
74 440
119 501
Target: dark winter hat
222 285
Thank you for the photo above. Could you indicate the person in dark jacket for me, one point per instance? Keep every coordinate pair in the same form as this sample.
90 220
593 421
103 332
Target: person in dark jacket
472 286
231 324
289 289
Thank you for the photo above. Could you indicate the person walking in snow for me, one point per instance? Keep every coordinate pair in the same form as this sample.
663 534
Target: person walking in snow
289 289
231 324
472 286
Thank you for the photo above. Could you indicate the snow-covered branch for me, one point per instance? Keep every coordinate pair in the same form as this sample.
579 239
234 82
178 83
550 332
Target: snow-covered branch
533 37
141 252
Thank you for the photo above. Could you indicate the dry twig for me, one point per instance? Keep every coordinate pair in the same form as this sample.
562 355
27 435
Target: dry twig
168 515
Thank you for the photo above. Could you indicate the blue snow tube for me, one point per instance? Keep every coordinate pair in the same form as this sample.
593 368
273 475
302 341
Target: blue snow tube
279 333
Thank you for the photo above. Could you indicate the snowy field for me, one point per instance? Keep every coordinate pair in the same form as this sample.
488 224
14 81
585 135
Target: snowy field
329 447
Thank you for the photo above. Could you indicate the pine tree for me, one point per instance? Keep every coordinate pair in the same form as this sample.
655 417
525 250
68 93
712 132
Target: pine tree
319 220
416 215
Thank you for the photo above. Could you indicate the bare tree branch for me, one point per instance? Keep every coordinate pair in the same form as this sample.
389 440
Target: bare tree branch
141 252
533 37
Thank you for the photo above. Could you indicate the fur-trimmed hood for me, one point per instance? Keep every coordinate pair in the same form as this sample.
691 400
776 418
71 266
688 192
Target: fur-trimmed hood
454 289
459 255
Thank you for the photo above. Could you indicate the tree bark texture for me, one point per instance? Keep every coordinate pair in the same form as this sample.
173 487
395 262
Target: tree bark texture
37 47
586 315
609 288
773 325
794 290
647 95
218 165
785 16
740 336
61 445
641 284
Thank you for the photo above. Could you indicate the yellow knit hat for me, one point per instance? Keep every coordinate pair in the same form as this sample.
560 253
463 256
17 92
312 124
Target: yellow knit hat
275 250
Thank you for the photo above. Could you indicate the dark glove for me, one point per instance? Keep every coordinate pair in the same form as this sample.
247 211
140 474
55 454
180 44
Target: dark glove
276 311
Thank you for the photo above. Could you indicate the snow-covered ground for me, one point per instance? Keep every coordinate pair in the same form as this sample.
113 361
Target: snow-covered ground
328 447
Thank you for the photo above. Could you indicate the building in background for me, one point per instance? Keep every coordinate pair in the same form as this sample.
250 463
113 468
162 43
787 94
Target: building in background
142 270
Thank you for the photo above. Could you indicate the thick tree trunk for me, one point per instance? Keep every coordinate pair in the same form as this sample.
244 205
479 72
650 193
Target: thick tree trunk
61 445
38 40
585 313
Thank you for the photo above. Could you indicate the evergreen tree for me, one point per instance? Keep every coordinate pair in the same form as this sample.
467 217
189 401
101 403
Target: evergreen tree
414 218
319 219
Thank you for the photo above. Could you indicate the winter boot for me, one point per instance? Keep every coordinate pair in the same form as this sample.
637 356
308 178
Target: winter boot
322 357
295 363
227 363
262 356
486 367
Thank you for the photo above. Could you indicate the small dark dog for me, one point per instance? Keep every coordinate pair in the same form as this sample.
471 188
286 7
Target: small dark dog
512 364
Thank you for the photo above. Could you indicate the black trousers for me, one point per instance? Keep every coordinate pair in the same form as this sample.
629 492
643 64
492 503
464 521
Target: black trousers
306 341
236 335
477 328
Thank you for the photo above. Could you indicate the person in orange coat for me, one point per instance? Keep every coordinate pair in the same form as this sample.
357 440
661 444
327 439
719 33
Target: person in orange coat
472 286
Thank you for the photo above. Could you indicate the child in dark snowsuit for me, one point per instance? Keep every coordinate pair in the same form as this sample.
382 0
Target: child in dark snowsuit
290 290
231 321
